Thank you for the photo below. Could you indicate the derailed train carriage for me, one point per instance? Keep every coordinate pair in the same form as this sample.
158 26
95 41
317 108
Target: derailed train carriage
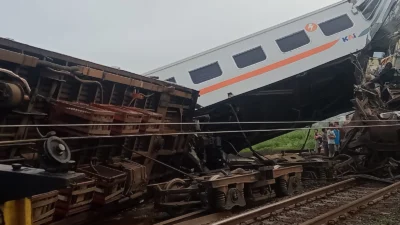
323 91
40 87
100 135
303 69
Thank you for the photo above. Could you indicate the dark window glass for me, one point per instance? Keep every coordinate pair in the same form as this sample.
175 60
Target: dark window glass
369 11
249 57
171 79
205 73
336 25
293 41
364 4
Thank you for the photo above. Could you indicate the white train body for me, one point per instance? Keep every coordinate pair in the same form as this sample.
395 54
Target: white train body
279 52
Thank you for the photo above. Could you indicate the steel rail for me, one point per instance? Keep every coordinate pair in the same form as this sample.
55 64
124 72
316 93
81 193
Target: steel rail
207 219
309 196
184 217
366 200
196 218
192 123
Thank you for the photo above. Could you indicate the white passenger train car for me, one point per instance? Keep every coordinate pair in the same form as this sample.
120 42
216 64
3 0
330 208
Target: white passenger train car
279 52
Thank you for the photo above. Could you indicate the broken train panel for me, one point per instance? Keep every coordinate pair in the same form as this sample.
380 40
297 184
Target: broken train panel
372 137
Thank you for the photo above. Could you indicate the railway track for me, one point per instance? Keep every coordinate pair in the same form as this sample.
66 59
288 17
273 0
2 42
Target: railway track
332 204
204 217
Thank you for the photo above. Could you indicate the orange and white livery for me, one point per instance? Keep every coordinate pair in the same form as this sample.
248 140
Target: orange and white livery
311 27
281 51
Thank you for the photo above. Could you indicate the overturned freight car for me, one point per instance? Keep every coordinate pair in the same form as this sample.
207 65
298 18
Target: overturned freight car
42 93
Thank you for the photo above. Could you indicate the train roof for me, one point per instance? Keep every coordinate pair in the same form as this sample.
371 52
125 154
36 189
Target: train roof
61 59
246 37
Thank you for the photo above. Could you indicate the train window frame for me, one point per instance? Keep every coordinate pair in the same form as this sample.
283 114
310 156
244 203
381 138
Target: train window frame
330 20
236 58
196 80
363 5
287 36
373 10
171 79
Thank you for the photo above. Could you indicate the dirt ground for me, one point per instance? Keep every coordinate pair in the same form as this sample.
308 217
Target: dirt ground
386 212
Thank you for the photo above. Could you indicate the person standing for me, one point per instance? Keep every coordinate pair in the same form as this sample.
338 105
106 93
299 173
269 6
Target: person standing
318 140
337 136
325 141
331 140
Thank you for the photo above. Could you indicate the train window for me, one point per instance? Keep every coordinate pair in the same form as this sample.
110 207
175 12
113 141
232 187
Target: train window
249 57
293 41
370 8
336 25
363 4
171 79
205 73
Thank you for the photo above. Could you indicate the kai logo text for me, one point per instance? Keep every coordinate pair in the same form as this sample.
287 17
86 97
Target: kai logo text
349 37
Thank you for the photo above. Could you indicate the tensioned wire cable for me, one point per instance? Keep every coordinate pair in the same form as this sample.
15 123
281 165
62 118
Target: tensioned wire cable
184 123
193 133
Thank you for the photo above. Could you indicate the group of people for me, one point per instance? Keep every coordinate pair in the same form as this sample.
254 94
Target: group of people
328 140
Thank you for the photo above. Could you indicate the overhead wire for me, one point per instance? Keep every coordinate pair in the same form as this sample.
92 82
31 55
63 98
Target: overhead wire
187 133
183 123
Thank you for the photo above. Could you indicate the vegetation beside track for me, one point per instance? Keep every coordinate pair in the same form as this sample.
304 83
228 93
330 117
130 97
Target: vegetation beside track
291 141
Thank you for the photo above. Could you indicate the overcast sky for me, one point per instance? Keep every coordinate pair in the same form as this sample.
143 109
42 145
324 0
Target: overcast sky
141 35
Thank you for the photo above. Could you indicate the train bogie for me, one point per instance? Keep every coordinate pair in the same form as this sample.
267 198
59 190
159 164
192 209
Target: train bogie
227 189
287 180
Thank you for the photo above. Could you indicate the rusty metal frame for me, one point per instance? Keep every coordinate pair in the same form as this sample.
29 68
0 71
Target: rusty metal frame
283 171
49 86
235 179
88 68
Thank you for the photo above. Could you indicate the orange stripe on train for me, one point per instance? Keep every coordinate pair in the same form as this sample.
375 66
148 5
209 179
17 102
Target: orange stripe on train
267 68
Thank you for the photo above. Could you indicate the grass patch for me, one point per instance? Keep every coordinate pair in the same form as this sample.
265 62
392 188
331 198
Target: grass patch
290 141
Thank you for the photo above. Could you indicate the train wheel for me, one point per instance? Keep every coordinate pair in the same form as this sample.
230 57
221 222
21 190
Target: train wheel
176 184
